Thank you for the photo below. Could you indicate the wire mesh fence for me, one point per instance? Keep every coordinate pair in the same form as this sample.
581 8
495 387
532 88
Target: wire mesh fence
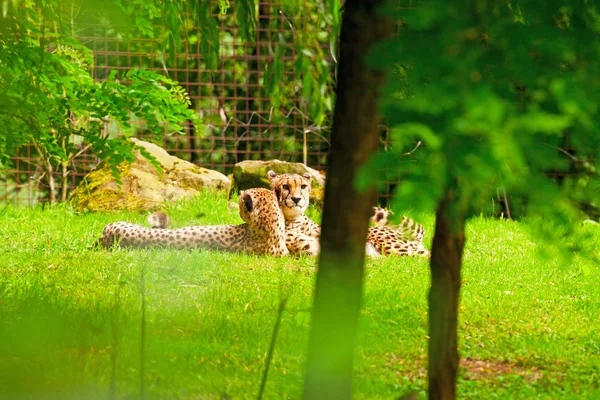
238 120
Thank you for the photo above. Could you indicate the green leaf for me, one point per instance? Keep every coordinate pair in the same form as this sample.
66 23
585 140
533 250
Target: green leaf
538 121
408 132
303 318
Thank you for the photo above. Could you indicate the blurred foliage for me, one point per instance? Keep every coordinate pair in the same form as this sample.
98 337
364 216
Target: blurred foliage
503 95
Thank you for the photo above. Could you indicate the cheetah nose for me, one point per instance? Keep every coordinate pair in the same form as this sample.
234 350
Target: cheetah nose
296 199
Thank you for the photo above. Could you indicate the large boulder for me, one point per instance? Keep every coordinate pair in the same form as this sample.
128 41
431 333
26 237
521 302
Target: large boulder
142 186
249 174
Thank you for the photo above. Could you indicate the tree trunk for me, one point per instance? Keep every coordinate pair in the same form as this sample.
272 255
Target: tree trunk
51 182
64 183
446 258
49 174
49 170
191 133
354 139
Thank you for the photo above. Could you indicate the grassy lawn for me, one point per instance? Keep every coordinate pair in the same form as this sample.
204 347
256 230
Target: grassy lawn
70 316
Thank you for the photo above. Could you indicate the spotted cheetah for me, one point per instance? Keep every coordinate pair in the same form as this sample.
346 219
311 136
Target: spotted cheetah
159 220
409 233
302 234
262 233
293 193
380 216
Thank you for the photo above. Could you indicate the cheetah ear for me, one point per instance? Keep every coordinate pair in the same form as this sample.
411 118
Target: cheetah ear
379 216
307 176
247 199
272 175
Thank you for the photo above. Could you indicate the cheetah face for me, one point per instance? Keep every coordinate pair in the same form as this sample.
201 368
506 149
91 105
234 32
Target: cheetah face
380 216
293 193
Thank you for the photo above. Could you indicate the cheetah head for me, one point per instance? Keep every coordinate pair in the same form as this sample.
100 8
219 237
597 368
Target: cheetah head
293 193
380 216
256 205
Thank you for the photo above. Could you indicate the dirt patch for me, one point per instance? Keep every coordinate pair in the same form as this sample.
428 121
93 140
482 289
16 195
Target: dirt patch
469 369
474 369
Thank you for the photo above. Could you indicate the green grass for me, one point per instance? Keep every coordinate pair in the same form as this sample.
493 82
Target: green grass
70 316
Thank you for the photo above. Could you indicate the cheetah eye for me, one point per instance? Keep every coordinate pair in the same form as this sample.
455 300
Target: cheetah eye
303 187
286 187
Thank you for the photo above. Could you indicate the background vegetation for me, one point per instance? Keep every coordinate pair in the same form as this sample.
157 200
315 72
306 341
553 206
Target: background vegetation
259 76
50 101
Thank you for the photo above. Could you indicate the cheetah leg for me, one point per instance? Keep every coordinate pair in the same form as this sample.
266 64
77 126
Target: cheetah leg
371 251
300 244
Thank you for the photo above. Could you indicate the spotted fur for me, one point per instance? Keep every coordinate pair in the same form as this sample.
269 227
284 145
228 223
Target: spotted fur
159 220
403 239
293 194
302 234
380 216
262 233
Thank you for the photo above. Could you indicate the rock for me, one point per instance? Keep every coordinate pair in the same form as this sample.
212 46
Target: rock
249 174
143 187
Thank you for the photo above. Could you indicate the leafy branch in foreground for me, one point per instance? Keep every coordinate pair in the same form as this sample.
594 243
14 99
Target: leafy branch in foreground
492 89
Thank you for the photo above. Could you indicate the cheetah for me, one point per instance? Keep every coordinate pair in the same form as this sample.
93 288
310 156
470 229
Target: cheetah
380 216
293 193
159 220
302 234
262 233
403 239
409 233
